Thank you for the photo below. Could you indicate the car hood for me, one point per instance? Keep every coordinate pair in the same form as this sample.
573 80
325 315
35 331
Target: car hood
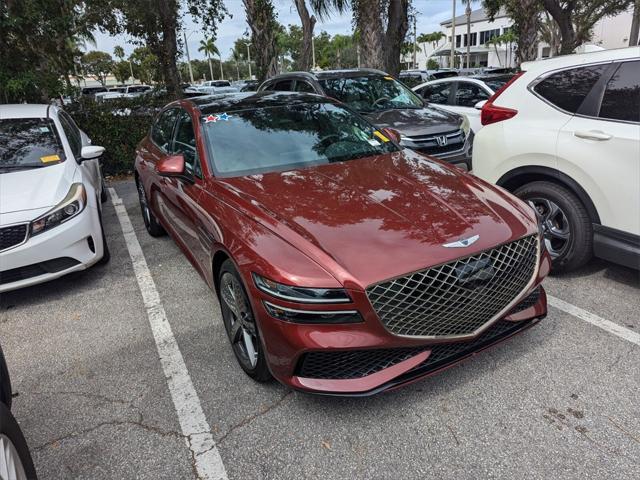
36 188
416 121
372 219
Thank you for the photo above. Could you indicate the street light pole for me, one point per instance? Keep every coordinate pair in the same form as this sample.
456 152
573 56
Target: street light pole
313 53
415 41
249 58
452 59
468 12
186 47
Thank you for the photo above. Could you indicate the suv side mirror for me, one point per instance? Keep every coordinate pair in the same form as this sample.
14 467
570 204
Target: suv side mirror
392 133
173 166
89 152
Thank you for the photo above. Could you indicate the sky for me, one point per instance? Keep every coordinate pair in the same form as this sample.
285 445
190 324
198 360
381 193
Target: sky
430 14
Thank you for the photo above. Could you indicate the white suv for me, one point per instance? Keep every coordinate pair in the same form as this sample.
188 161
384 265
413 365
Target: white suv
565 135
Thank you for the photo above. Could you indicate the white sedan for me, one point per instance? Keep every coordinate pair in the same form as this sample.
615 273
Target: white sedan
463 95
51 193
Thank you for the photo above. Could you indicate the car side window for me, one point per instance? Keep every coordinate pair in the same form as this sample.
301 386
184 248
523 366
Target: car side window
282 86
163 129
185 143
468 94
305 87
437 93
71 132
621 100
567 89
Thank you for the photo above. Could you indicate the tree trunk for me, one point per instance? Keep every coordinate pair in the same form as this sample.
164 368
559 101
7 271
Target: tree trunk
261 18
210 65
308 23
562 16
635 25
369 24
528 27
168 46
397 27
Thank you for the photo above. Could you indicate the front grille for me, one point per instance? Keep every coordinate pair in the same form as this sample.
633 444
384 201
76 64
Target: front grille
456 298
529 301
352 363
338 365
429 143
50 266
12 236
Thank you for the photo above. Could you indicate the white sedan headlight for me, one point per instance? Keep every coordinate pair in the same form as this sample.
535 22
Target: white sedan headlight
69 207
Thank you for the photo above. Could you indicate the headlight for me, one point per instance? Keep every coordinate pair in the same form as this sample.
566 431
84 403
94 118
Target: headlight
465 126
312 316
301 294
69 207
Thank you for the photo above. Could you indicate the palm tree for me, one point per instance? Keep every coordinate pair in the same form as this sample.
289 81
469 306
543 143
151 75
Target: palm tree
495 41
208 47
508 38
118 52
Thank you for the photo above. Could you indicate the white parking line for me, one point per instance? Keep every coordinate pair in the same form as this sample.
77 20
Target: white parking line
594 319
193 423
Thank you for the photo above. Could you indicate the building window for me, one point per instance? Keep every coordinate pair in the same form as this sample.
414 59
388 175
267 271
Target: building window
487 35
457 41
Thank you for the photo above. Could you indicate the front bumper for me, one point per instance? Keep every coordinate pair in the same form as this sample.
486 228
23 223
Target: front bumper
461 157
365 358
75 245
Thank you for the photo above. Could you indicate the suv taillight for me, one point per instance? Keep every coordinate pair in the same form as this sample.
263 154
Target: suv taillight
492 113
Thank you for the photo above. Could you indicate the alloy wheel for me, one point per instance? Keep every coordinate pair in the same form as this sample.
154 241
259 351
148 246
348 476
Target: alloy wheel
555 226
10 463
239 320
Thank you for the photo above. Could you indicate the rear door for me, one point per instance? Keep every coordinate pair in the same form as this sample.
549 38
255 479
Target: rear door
600 146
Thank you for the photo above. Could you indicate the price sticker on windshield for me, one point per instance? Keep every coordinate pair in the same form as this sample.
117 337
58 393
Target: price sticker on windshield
50 158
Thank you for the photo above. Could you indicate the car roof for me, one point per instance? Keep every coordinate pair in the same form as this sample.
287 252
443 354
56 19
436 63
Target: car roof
338 73
577 59
26 110
229 102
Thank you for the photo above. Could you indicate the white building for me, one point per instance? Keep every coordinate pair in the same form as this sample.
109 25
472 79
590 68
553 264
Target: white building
610 32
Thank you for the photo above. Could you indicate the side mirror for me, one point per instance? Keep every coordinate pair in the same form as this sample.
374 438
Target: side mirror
89 152
392 133
173 166
480 104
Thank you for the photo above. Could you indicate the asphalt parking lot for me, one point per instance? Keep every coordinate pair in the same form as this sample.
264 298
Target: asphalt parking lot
561 400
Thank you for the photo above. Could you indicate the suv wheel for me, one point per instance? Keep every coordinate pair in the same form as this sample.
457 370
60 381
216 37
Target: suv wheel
566 226
15 459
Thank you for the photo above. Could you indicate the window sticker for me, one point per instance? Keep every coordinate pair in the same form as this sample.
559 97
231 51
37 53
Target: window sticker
373 142
380 136
50 158
223 117
388 77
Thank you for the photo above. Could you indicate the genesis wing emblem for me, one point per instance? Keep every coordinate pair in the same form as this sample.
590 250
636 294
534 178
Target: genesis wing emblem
465 242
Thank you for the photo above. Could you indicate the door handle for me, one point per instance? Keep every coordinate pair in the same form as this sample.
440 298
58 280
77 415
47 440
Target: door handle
597 135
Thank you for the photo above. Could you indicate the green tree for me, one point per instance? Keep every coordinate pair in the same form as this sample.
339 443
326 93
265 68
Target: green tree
118 52
208 47
99 64
156 24
261 18
121 70
576 18
146 66
526 23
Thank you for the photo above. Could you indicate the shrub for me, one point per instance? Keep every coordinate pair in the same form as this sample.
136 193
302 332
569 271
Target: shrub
118 125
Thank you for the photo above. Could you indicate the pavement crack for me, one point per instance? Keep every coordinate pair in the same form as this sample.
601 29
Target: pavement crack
113 423
93 396
623 430
249 419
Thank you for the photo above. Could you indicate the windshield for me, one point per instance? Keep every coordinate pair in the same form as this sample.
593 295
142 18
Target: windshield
268 139
411 80
371 93
28 143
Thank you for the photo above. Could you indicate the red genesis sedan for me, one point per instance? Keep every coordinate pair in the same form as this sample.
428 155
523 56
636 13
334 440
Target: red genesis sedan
343 263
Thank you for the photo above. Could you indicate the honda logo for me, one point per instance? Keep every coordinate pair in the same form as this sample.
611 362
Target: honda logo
442 141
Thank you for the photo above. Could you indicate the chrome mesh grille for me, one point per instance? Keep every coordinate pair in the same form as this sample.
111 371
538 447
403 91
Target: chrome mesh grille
456 298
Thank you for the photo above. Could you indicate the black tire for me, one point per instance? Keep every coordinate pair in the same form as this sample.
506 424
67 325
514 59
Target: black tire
577 249
5 382
150 221
10 430
258 371
106 254
103 193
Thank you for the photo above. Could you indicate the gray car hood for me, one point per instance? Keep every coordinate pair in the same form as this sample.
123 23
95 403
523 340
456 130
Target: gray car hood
416 121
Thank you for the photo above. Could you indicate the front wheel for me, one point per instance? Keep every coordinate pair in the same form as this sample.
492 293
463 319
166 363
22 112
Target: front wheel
15 459
150 222
566 225
240 324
